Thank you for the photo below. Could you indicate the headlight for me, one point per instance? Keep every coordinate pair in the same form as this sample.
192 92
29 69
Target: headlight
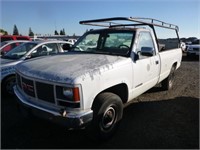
71 94
68 92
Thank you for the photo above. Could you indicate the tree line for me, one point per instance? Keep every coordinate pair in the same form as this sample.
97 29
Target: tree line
30 33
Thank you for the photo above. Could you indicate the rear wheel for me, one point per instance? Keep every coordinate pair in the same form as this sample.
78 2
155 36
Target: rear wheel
167 84
108 111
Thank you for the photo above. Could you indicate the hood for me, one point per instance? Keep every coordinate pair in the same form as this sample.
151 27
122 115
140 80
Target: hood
65 68
8 62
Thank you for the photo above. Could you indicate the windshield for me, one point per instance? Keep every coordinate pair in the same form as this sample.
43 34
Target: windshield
20 51
196 42
109 42
3 43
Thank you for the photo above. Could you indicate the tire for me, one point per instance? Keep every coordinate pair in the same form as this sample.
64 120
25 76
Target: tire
107 114
167 83
8 85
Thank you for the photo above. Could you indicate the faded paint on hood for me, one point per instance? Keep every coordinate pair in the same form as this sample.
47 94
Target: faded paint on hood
66 68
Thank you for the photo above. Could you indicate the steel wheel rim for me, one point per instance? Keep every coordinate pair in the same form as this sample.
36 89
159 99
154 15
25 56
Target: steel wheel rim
171 80
108 118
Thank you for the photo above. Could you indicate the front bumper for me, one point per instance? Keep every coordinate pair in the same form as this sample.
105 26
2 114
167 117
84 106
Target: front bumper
68 118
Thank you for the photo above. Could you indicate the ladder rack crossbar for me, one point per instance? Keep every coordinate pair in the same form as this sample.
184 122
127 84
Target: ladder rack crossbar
109 22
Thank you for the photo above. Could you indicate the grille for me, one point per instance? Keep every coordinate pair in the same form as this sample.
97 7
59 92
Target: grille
44 91
18 80
28 87
196 49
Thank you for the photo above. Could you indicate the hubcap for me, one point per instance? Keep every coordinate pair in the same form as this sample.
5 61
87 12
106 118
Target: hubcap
171 80
108 118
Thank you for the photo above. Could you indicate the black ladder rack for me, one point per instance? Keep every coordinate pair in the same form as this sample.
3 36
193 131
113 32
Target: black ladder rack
112 22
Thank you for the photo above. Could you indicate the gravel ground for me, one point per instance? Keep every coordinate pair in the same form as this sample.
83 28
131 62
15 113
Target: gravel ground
160 120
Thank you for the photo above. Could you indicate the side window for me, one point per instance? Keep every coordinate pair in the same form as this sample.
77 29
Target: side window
40 51
167 39
46 49
89 42
64 47
52 48
145 44
13 45
7 48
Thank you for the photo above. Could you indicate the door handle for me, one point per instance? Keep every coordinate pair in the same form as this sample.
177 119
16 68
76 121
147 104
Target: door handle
157 62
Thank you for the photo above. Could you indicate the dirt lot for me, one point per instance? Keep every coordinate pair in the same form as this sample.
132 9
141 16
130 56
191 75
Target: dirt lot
161 120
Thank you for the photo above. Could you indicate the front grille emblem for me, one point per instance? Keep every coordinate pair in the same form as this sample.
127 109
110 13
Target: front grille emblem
27 87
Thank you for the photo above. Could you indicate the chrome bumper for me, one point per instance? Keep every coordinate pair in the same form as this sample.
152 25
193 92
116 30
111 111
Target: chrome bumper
70 119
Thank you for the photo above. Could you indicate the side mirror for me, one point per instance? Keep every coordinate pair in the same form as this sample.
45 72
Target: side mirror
35 51
161 47
147 51
28 57
66 46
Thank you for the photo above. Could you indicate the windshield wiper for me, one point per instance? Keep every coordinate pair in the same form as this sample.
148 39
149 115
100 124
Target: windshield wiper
96 51
109 53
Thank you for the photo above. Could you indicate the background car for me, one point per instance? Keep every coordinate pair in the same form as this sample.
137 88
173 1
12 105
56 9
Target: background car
72 41
23 52
194 48
14 37
8 45
183 46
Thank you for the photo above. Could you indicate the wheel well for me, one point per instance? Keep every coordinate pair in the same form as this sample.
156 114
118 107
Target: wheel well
175 65
4 79
121 90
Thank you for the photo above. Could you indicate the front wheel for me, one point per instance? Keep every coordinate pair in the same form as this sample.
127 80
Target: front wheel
8 85
167 84
108 111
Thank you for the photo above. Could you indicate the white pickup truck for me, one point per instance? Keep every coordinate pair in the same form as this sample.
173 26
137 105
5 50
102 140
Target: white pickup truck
105 69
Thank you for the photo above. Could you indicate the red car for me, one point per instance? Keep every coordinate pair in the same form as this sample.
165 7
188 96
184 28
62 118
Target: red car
8 45
14 37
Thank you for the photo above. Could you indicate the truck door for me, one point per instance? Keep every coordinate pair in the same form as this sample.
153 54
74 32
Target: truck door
146 68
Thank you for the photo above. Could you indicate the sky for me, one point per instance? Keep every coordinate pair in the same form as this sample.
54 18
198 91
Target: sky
46 16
